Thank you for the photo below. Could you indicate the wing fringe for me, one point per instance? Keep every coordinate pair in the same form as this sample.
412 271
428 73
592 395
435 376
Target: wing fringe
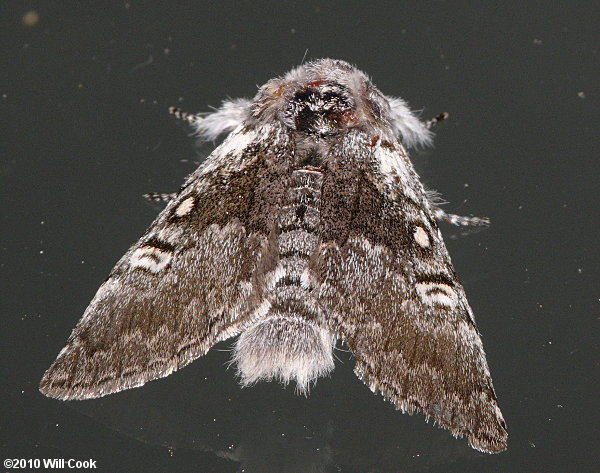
489 434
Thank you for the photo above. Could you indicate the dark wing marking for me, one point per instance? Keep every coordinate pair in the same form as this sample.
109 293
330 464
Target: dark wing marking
184 285
391 292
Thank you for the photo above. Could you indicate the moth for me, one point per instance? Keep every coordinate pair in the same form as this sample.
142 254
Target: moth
308 224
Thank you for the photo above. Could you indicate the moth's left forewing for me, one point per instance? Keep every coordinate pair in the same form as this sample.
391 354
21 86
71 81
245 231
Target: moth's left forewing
186 284
389 288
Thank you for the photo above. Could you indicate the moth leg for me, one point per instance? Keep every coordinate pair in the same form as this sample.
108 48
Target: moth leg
224 119
191 118
434 121
158 197
459 220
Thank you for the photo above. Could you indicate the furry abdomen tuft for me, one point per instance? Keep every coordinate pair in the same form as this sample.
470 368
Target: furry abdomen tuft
285 348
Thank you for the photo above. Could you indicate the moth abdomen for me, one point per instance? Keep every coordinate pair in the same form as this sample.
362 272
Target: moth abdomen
290 342
284 347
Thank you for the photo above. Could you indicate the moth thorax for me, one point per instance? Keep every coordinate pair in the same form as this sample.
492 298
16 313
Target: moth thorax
321 109
286 348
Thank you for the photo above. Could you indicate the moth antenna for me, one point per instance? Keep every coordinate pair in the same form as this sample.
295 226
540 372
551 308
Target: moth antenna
159 197
434 121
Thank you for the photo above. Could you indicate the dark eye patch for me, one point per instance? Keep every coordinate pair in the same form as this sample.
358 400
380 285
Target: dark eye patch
304 95
329 96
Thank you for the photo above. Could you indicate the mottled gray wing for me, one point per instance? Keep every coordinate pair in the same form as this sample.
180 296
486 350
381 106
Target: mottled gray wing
390 291
184 285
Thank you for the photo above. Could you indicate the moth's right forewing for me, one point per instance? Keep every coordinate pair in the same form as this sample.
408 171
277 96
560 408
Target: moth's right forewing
185 284
390 291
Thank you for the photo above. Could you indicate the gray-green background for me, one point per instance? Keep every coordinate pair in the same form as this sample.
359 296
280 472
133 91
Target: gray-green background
85 132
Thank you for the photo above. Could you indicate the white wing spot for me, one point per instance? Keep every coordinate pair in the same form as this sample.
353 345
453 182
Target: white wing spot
436 293
150 258
185 207
421 237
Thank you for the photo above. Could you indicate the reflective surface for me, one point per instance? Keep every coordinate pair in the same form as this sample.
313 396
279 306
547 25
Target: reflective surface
86 132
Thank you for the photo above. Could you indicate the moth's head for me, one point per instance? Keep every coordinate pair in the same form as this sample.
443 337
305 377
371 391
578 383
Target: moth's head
320 108
323 98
